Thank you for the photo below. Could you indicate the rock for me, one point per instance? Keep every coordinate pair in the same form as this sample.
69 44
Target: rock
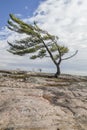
43 103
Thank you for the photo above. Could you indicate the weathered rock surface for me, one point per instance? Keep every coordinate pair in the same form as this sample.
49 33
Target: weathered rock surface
36 102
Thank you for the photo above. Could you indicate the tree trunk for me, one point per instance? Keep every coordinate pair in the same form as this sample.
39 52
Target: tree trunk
58 71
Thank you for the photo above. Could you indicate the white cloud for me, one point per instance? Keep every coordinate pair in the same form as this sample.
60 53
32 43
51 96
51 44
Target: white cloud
26 7
65 18
68 20
18 15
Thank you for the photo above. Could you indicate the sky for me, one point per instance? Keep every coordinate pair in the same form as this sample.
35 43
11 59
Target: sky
65 18
24 8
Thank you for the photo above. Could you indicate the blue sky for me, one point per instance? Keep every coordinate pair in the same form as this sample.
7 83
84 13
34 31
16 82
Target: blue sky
65 18
23 7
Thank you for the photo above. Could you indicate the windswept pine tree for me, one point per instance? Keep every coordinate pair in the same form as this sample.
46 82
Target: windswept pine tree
38 43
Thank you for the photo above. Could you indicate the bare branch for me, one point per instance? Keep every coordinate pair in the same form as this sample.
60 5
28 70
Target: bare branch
70 56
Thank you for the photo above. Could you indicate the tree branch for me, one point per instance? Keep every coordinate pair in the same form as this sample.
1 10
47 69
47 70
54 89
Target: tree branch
59 61
49 52
70 56
39 36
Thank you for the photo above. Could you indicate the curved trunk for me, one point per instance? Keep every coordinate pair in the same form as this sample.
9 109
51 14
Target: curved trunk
58 71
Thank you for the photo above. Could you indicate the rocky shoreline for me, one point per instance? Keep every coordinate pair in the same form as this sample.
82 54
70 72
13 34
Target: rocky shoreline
38 101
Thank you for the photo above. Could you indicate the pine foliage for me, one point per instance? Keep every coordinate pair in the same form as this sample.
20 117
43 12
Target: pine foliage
38 43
